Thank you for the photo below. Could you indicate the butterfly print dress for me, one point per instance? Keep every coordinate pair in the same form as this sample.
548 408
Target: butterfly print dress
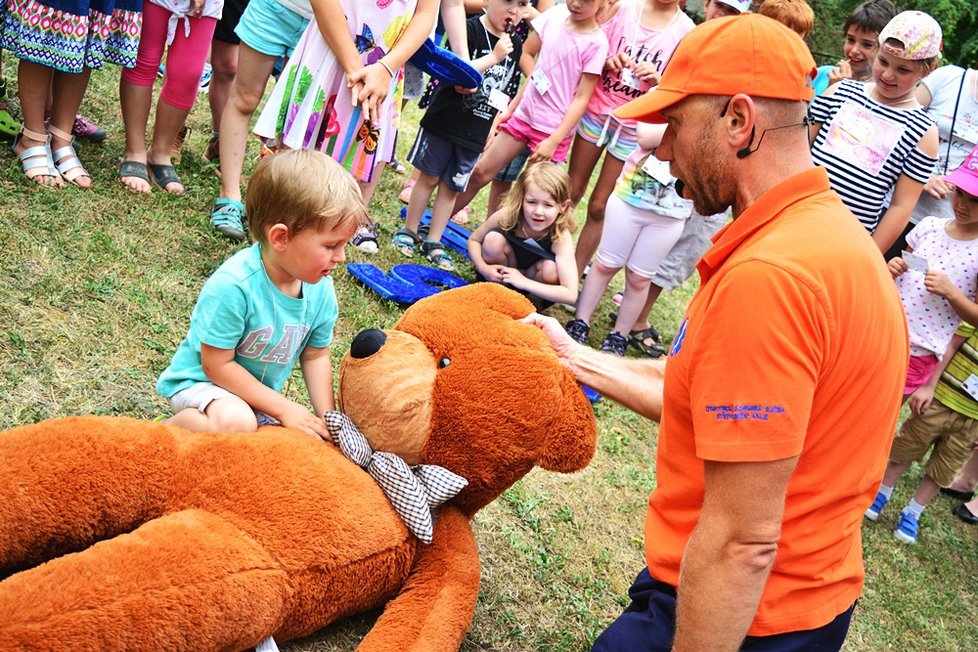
311 107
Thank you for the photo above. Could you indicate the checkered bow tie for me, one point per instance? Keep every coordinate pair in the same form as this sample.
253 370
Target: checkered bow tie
414 491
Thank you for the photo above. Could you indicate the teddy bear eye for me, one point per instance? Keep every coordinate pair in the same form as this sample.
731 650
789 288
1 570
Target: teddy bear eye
444 362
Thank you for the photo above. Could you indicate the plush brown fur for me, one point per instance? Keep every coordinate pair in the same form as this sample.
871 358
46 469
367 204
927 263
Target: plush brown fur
158 538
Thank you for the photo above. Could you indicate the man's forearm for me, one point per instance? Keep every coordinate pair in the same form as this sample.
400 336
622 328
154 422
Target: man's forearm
720 587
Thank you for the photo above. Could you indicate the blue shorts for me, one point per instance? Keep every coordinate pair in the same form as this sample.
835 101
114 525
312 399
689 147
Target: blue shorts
439 157
511 171
649 625
269 28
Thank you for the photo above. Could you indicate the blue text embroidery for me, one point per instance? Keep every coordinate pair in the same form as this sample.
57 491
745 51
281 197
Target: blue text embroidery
742 411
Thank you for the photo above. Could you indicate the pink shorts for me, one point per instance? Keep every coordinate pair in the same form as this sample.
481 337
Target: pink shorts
920 370
523 132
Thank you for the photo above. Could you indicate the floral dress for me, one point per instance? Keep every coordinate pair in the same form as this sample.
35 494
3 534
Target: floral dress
71 35
311 107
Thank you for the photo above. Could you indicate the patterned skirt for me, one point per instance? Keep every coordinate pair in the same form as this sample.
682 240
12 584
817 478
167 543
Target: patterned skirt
71 35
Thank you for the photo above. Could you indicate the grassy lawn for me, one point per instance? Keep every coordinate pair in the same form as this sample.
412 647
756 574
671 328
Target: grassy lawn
96 290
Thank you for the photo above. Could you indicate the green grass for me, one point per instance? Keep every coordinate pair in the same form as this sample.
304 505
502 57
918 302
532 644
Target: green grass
96 290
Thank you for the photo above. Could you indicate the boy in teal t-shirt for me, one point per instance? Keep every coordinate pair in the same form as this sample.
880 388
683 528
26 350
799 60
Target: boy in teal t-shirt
269 305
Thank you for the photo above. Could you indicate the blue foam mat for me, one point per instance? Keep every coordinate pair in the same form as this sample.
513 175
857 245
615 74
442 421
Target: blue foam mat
405 283
456 236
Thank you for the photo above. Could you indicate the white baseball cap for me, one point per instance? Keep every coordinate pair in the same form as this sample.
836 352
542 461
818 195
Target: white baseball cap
739 5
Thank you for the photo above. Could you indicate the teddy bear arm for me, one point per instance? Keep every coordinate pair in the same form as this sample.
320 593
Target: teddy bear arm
190 580
433 610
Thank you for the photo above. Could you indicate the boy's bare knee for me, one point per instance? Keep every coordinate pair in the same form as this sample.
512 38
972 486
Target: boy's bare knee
231 415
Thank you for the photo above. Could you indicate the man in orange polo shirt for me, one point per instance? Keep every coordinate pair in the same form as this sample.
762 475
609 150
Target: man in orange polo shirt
784 380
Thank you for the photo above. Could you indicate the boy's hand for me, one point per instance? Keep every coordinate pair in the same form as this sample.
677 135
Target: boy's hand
897 266
921 398
938 283
297 416
842 70
937 187
544 151
503 47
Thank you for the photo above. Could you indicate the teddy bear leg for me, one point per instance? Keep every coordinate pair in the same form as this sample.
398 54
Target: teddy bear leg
187 581
434 608
67 483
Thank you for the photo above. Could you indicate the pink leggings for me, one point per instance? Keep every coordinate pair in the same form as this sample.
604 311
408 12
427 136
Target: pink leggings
184 59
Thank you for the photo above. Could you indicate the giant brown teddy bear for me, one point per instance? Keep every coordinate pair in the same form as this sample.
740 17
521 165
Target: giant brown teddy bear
158 538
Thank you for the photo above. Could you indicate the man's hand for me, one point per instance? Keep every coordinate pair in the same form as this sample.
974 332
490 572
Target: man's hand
559 339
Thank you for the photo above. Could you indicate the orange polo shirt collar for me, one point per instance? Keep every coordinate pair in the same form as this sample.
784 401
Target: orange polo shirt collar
761 213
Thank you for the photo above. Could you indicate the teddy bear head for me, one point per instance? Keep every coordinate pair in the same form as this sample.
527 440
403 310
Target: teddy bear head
462 383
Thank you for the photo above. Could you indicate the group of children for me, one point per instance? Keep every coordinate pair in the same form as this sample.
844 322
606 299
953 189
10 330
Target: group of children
334 112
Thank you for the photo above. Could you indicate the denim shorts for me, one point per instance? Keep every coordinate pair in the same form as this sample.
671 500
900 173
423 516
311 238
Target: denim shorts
440 157
270 28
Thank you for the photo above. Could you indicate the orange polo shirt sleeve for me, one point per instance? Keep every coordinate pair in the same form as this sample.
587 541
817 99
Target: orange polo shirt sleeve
755 406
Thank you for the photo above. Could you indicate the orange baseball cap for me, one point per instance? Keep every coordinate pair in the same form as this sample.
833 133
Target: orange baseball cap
750 54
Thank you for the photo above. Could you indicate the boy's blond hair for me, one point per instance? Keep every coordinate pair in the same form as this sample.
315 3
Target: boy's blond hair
796 15
553 180
302 188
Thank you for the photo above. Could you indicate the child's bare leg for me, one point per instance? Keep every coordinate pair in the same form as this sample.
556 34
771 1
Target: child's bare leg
442 211
584 156
420 196
544 271
894 471
590 237
230 414
136 102
926 490
367 187
504 148
496 250
633 301
496 191
254 69
594 288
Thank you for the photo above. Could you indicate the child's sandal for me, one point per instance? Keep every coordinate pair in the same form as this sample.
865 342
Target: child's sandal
434 251
66 159
405 240
36 161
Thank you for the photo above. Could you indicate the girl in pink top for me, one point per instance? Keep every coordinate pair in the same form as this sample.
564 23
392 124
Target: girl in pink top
642 35
570 52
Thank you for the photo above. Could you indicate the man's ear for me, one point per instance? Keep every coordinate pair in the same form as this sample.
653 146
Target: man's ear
742 113
278 236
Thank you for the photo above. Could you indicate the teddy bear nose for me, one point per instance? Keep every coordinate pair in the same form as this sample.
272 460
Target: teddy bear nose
367 342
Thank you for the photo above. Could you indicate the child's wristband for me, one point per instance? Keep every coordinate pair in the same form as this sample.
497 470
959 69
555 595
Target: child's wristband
386 67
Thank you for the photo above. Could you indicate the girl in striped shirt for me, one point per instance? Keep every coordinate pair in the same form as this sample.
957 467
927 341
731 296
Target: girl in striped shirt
875 138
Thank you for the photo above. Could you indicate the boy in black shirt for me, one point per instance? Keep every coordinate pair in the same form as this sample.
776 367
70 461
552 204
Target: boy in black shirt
454 130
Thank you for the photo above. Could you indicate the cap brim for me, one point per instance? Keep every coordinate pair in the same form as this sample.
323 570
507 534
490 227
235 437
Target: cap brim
648 107
966 181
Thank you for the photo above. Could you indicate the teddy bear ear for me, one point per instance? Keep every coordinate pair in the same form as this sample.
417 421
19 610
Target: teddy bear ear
570 442
474 300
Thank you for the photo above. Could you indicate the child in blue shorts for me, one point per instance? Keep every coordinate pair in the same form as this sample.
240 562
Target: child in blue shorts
454 129
269 305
